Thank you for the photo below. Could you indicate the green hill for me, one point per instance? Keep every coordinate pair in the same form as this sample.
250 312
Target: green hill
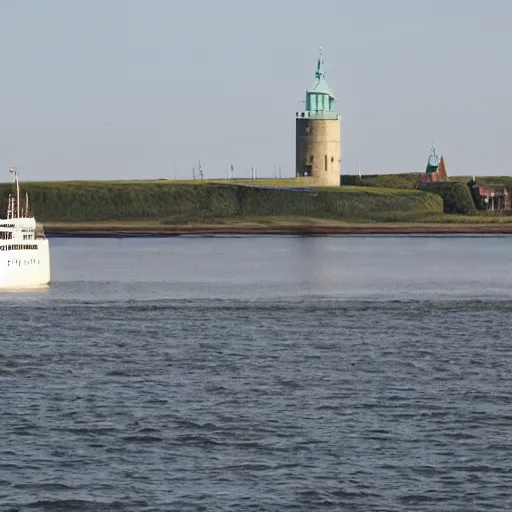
178 202
402 180
455 193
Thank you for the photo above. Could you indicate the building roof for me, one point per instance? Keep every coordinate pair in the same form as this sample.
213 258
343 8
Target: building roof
320 85
441 170
433 160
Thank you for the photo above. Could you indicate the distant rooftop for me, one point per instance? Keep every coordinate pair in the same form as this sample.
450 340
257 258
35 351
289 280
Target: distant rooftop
433 160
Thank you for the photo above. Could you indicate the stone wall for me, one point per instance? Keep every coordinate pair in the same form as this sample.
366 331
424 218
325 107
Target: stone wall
318 151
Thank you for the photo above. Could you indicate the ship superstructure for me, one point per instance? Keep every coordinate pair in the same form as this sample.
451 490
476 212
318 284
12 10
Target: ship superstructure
24 249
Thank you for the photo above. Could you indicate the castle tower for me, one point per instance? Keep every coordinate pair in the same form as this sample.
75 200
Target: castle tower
317 139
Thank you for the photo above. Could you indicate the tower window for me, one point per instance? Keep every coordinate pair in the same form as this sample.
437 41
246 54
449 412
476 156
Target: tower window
325 162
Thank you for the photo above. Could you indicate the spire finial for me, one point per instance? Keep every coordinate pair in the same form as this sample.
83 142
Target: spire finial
433 159
320 65
433 152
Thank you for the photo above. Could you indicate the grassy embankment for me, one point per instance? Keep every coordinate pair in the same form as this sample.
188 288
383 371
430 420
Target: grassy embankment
409 180
167 207
456 195
176 204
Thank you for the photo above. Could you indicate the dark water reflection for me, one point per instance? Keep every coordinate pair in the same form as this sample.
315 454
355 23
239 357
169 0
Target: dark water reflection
272 373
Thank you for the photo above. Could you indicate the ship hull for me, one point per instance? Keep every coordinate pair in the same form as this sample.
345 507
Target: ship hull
26 264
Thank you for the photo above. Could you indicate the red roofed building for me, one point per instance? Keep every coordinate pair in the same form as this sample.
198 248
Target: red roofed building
490 197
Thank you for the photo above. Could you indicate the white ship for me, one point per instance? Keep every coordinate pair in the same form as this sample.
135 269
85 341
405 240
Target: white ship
24 250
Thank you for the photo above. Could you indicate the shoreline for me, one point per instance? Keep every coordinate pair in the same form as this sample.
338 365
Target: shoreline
113 230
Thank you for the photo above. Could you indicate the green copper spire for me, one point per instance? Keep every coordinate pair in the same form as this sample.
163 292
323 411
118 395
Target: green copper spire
320 97
433 160
320 73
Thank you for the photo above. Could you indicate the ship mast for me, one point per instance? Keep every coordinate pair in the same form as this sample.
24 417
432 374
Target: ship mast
15 171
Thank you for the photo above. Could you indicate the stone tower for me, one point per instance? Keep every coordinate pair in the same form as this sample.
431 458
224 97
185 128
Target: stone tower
317 139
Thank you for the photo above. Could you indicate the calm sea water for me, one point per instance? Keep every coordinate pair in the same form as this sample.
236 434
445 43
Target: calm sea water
260 374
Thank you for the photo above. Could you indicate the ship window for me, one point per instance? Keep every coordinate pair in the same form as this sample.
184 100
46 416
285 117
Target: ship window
19 247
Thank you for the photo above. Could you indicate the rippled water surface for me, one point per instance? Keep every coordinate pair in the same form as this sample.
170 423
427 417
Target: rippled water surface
260 374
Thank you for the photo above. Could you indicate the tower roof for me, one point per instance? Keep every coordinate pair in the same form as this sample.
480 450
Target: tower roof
433 160
441 170
320 85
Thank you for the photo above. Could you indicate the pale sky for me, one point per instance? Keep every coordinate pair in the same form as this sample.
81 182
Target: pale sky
108 89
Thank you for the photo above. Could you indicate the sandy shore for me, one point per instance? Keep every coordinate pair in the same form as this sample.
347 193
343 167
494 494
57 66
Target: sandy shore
284 228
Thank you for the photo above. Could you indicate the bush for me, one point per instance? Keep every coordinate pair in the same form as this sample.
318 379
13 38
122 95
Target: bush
456 196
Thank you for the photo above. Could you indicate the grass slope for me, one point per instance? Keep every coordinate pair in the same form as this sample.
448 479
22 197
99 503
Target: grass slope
172 202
